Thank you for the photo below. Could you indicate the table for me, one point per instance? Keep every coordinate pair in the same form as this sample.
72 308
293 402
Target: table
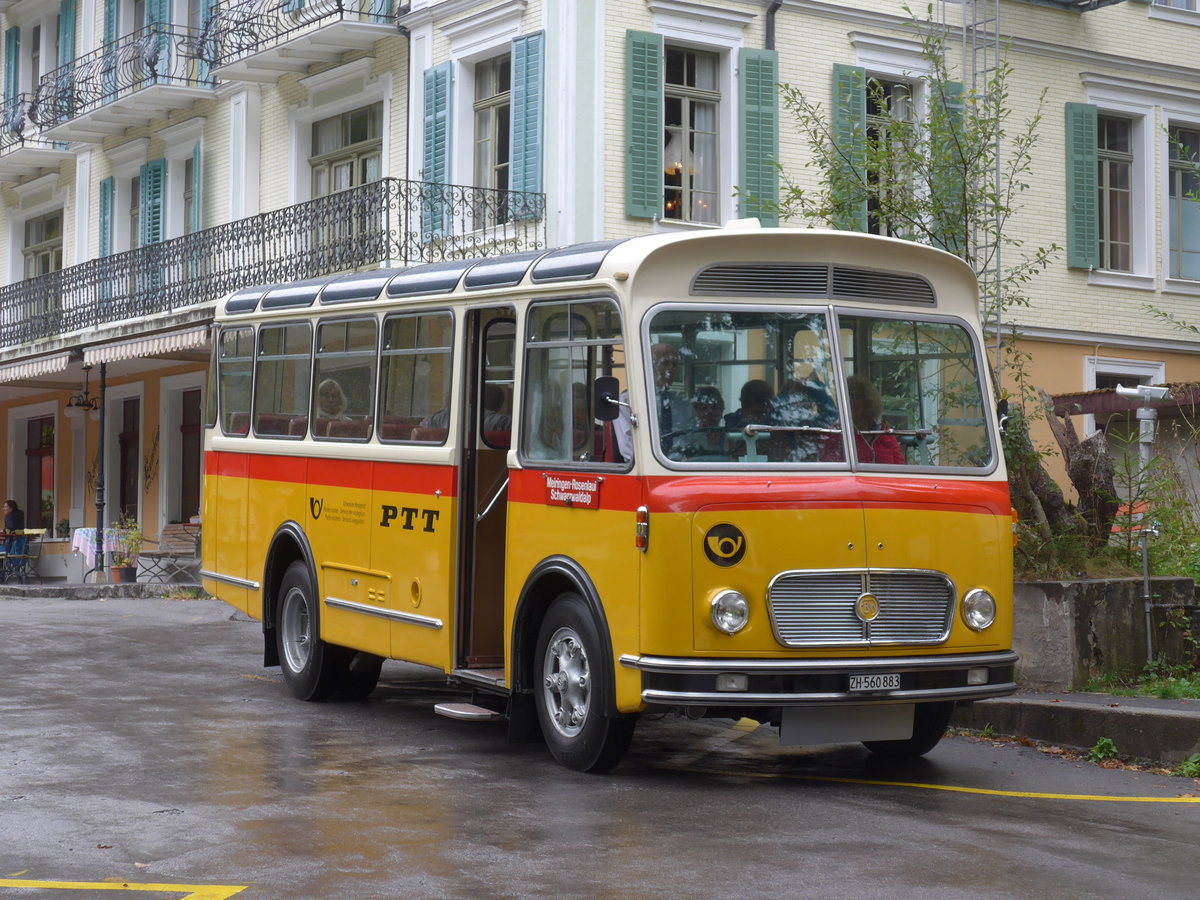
84 541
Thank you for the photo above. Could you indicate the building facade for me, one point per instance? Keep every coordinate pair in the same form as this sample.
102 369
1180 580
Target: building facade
155 156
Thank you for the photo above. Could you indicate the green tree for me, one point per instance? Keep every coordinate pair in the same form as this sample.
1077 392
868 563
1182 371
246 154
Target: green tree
953 176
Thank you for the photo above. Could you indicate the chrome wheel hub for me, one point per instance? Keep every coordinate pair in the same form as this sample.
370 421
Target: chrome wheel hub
566 682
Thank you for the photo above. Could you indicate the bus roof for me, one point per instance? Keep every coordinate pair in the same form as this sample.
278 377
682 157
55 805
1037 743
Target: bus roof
738 260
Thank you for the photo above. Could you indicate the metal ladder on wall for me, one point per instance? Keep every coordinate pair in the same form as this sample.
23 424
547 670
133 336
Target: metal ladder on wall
978 25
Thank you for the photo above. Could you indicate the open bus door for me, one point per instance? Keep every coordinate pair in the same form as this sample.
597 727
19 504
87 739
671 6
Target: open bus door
479 654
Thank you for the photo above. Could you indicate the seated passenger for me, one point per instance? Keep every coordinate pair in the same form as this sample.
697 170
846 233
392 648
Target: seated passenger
866 410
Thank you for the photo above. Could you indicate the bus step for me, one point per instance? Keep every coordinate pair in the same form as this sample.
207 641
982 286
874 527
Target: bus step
466 712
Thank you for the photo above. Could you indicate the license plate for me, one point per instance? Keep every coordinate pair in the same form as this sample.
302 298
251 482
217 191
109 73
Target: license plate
888 682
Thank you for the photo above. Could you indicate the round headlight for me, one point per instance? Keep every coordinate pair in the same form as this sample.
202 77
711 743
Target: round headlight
979 609
730 612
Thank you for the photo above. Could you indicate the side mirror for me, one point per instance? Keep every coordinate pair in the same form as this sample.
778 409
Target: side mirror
606 403
1002 414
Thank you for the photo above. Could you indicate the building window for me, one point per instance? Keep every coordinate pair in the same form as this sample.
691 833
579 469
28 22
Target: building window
129 459
189 199
691 105
43 244
347 150
39 473
1184 209
190 454
135 212
1178 4
1114 140
493 105
889 110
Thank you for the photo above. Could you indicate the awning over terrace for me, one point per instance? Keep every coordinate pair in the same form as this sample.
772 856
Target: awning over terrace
153 345
32 368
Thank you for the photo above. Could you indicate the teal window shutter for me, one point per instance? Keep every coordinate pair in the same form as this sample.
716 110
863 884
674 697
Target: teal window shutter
948 173
106 216
66 32
150 203
293 5
209 47
1083 188
528 90
12 62
758 178
194 225
108 68
435 214
643 125
381 11
849 136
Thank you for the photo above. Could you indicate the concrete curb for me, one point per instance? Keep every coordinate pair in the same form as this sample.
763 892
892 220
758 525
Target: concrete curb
91 591
1164 733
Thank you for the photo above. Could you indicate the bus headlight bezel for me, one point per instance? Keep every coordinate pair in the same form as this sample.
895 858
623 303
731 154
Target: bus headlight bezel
979 609
729 611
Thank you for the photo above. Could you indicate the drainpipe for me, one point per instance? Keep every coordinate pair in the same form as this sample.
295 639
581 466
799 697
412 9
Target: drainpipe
771 10
401 13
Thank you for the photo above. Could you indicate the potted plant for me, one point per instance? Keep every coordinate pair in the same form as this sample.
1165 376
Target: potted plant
127 540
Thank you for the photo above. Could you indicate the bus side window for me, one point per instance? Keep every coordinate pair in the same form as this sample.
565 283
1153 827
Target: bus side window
570 344
235 361
415 378
283 371
343 402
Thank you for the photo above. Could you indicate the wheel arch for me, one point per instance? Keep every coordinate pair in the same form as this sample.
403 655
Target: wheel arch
550 578
289 544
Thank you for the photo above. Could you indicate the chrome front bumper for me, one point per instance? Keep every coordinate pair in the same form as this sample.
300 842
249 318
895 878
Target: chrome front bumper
685 681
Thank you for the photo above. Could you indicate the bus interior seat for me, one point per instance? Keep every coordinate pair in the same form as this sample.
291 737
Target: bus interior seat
238 423
499 440
427 435
272 423
298 426
358 429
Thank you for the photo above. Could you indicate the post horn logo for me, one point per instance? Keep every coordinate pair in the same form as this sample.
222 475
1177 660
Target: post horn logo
724 545
314 506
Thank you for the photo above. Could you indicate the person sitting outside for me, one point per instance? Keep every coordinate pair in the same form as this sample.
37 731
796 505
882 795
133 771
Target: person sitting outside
14 541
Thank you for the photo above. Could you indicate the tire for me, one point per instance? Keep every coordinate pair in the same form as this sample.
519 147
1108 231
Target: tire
929 725
312 669
360 676
572 690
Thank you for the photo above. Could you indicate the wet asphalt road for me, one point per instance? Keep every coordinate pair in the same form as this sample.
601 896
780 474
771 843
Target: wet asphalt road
142 742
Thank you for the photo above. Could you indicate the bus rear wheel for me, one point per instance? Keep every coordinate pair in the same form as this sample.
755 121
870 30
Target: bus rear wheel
929 725
572 701
312 669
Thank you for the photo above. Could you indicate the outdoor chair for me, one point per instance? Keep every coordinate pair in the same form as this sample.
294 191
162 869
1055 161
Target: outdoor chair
176 554
22 563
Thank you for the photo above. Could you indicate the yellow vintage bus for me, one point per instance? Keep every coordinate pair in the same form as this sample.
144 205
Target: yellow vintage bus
740 472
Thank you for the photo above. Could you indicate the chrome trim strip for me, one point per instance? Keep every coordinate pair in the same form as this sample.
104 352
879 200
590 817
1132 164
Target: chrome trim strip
691 666
734 698
229 579
476 678
389 614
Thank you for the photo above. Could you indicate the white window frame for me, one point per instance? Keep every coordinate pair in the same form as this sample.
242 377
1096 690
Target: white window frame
169 389
702 27
331 93
1183 111
1121 99
181 142
1140 371
1180 16
18 443
36 198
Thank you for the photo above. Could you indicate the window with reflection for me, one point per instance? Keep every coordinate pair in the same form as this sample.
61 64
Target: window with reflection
568 345
416 378
282 375
343 401
235 370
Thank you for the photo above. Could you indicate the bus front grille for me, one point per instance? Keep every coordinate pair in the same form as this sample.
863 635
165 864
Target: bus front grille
821 609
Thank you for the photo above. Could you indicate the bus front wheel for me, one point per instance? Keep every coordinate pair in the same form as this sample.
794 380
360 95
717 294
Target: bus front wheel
929 724
311 668
571 694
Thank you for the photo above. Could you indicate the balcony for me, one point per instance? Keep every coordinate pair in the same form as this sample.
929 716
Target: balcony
23 150
386 223
130 82
263 40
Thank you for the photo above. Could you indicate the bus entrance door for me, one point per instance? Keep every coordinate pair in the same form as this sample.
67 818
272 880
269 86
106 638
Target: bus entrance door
484 504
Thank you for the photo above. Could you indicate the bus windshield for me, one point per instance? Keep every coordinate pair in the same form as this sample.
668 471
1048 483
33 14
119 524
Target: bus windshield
754 386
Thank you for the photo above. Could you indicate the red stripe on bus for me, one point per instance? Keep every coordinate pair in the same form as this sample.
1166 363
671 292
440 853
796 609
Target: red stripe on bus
395 477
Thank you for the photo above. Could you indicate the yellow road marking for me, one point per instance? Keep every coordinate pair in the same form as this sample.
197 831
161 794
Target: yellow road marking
957 789
189 891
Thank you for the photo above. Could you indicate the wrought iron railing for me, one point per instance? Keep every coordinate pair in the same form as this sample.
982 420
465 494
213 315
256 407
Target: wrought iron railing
238 30
17 128
158 54
389 221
